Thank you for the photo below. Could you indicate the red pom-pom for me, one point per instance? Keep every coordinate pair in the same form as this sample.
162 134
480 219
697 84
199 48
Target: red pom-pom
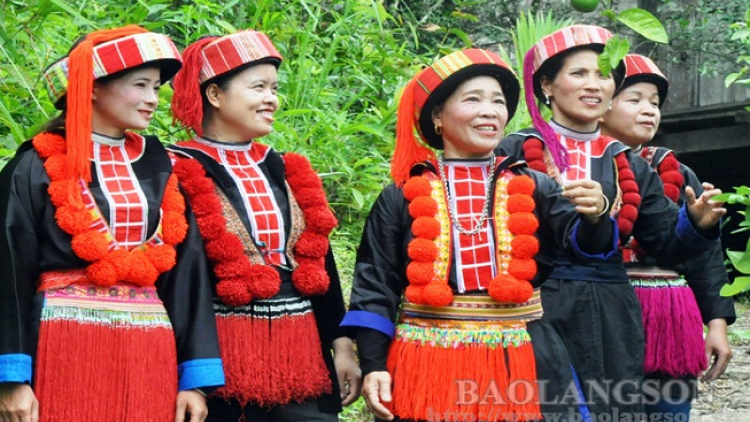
186 168
310 280
533 154
63 191
522 223
422 250
73 219
173 201
174 227
624 226
522 269
237 268
626 174
212 226
312 261
633 198
420 273
426 227
669 163
296 164
142 271
622 161
57 168
227 247
311 245
48 144
423 206
120 261
415 294
163 257
520 203
195 186
523 185
628 186
504 288
320 220
438 294
307 180
233 292
672 192
524 246
264 281
102 273
629 212
90 245
416 187
205 204
524 292
532 143
309 197
538 166
673 177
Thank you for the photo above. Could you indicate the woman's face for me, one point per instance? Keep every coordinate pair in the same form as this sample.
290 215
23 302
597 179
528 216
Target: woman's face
579 95
473 118
127 102
635 114
245 109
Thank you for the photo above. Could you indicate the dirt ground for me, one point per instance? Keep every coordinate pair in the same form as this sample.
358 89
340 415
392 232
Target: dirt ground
728 398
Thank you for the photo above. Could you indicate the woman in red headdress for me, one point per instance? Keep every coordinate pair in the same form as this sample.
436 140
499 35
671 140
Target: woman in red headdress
105 304
265 222
593 307
675 300
445 303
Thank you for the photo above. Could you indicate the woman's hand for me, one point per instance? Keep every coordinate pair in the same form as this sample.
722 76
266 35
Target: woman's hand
347 371
18 403
193 403
588 198
702 211
377 389
718 351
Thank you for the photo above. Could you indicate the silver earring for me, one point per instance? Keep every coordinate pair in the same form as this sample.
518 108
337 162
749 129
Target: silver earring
546 99
438 130
610 106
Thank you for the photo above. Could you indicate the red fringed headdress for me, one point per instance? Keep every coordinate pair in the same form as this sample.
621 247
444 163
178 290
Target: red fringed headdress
210 57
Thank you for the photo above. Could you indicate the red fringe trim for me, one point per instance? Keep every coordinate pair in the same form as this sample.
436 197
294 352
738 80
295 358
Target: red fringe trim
122 374
271 362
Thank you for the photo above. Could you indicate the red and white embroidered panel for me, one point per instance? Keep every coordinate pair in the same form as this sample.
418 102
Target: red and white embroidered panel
128 207
475 255
263 211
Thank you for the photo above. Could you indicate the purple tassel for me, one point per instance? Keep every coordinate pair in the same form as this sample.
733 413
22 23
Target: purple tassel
559 154
673 330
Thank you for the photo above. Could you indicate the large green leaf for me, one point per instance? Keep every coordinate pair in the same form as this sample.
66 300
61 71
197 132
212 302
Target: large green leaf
614 51
643 23
740 260
740 285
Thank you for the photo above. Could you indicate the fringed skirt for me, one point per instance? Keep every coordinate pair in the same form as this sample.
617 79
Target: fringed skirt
104 353
471 360
672 323
271 352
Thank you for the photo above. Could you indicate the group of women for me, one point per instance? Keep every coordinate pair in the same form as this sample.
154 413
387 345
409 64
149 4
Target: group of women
495 281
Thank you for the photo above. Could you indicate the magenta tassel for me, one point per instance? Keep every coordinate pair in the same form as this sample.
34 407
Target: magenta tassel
673 330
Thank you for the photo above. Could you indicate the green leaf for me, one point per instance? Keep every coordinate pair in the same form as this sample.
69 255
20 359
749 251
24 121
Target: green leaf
740 285
740 260
614 51
359 199
731 78
741 34
742 190
462 35
605 65
609 14
643 23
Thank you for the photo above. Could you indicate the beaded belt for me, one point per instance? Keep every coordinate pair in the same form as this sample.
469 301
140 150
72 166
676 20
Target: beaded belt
478 307
654 277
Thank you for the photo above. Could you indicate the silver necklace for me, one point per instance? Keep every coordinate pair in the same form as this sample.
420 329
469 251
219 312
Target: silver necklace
485 209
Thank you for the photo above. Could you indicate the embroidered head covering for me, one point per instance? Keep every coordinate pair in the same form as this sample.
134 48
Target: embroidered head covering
101 53
565 39
430 88
640 68
213 56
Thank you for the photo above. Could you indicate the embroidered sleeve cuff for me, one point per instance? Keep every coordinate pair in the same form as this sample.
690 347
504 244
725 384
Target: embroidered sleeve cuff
15 368
693 237
201 373
369 320
607 253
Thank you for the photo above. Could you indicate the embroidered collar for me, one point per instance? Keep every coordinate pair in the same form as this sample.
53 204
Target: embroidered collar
228 146
572 134
107 140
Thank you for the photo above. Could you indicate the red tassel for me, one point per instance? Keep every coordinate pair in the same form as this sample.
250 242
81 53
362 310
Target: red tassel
187 103
408 150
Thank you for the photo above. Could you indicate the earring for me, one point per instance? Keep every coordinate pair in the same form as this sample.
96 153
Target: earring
546 99
438 130
610 106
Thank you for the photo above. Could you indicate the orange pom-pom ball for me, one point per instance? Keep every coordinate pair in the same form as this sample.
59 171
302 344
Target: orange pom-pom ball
233 292
142 271
120 261
174 227
63 191
520 203
416 187
90 245
420 273
524 246
173 201
423 206
163 257
57 168
320 220
73 219
264 281
48 144
504 288
422 250
522 269
523 223
426 227
523 292
102 273
523 185
438 294
414 294
310 280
